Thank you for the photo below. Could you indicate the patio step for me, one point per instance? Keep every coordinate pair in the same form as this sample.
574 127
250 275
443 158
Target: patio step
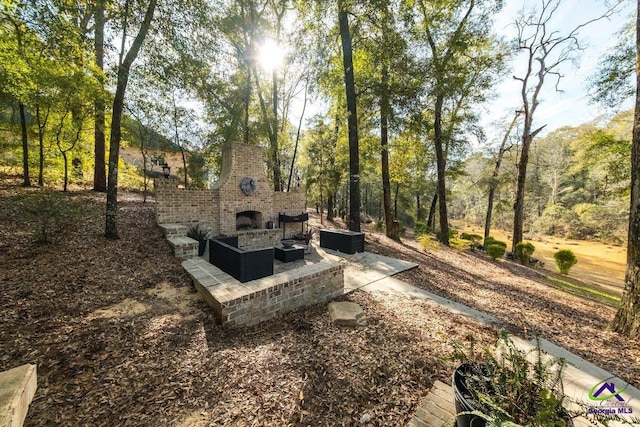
184 247
17 388
173 230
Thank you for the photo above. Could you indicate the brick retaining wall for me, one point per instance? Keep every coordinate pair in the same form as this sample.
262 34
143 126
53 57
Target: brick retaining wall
246 304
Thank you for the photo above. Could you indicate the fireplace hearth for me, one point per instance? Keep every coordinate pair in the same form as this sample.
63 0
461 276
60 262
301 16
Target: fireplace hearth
248 220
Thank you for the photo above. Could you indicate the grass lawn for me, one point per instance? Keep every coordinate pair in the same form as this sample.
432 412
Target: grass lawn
599 264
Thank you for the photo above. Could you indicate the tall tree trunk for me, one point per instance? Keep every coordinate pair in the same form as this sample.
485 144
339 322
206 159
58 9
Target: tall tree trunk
295 149
384 145
42 123
432 212
493 184
111 229
65 184
247 103
418 208
177 140
330 206
350 89
272 130
627 319
26 181
443 235
275 150
99 169
321 204
184 165
272 134
518 206
145 175
395 201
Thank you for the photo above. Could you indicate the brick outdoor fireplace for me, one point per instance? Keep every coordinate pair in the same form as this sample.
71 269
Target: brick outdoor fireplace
240 203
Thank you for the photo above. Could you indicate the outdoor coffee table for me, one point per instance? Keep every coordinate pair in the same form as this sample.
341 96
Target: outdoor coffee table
293 253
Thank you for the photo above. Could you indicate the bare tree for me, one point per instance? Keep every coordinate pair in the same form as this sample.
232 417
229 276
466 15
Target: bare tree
546 50
493 183
70 137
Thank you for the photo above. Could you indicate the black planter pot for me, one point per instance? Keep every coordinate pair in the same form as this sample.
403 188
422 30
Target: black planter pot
202 245
462 398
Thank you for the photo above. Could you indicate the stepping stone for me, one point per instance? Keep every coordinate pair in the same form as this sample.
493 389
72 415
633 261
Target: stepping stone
347 314
17 388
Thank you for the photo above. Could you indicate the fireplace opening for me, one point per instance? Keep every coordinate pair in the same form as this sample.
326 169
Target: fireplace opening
248 220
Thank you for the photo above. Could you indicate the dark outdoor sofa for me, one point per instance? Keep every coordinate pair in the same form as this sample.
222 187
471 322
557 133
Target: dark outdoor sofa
244 265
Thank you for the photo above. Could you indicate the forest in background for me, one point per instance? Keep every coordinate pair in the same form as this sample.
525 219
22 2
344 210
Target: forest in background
417 90
577 185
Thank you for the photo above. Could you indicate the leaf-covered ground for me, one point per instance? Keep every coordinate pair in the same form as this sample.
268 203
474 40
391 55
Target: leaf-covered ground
121 338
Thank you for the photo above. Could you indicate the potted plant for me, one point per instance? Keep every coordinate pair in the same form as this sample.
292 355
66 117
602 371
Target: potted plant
197 233
506 388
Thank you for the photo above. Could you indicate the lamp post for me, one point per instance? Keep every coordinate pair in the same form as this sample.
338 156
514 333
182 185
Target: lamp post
166 170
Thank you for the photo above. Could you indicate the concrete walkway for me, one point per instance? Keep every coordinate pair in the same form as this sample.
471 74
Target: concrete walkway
372 273
364 268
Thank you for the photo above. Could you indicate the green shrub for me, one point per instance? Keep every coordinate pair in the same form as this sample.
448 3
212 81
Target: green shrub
51 215
491 241
460 244
475 238
495 250
524 250
427 242
465 238
421 228
565 259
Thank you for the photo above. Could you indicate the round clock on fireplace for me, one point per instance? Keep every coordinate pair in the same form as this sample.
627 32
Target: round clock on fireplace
248 185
